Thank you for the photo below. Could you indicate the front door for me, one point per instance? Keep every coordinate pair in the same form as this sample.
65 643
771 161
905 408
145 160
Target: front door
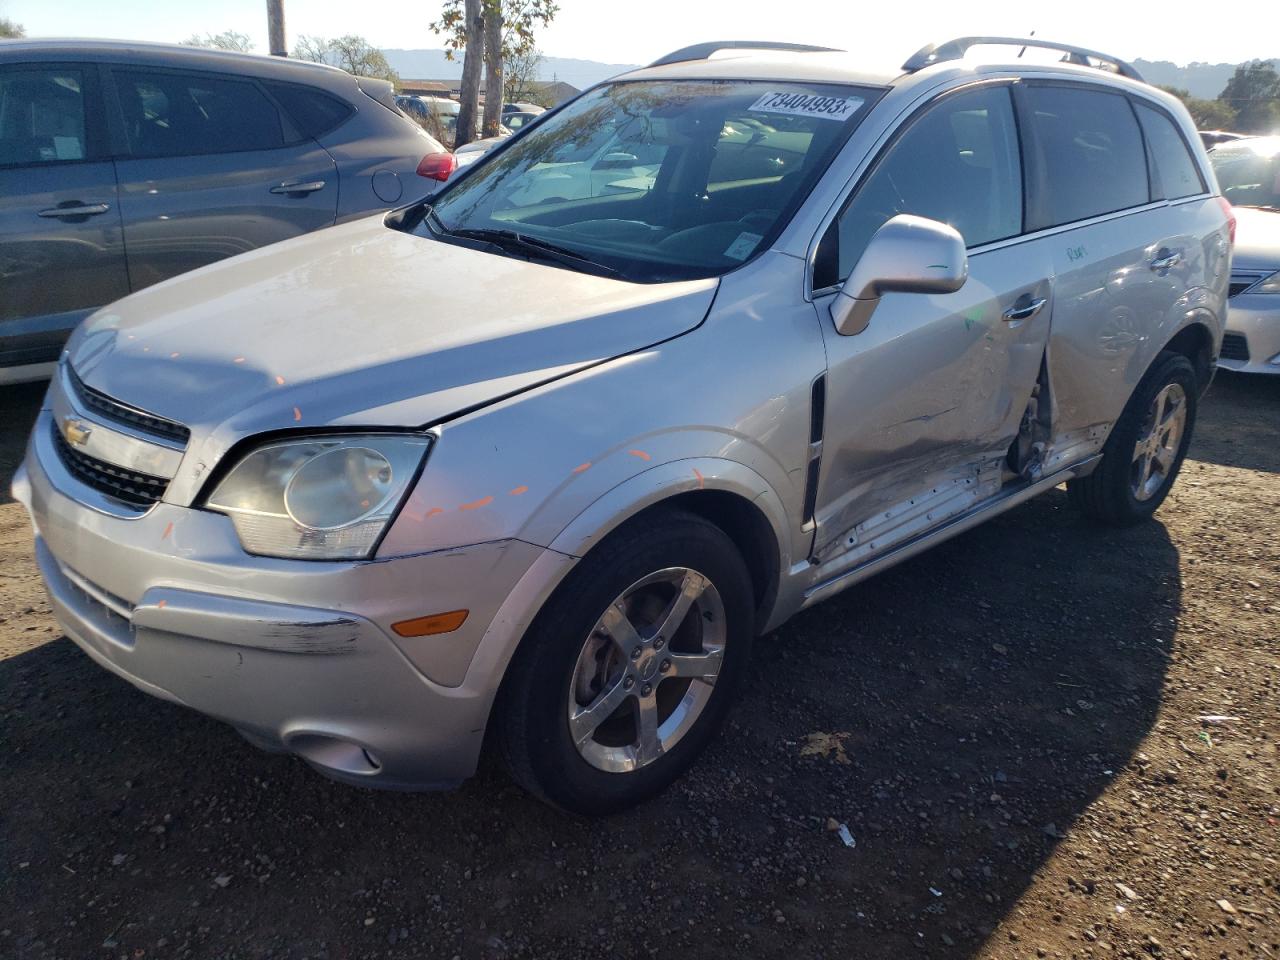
923 405
212 169
61 253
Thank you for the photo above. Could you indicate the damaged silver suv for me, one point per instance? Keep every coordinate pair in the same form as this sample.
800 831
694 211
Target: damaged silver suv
537 458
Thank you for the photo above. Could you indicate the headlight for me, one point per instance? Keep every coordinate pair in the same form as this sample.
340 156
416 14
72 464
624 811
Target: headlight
319 498
1269 285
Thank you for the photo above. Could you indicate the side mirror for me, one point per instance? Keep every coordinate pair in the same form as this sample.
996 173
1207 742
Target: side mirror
907 254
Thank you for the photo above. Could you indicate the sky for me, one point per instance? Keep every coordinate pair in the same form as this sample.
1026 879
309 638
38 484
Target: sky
611 31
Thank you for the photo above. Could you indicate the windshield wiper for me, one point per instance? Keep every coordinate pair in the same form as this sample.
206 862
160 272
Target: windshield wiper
514 242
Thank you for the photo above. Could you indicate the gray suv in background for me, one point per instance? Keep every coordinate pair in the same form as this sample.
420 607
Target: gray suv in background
123 164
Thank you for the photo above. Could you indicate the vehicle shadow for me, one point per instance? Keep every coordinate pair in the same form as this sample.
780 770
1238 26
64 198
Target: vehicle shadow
19 405
958 713
1237 422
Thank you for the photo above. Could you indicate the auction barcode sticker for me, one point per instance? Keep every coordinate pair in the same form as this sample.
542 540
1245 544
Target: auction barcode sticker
808 105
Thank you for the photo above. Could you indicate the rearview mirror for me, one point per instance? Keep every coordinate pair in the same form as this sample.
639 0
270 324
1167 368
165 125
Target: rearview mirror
907 254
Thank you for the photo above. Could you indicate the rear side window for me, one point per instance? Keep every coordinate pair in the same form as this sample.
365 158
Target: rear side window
312 112
42 117
958 163
1174 171
178 114
1090 155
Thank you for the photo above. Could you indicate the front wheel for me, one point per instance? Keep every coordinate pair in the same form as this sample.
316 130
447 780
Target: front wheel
628 672
1144 453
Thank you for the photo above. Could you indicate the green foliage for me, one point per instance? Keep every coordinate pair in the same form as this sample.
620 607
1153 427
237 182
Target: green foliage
1254 93
519 20
352 53
1207 114
11 29
227 40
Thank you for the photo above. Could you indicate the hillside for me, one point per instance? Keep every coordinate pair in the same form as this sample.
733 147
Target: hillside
1200 79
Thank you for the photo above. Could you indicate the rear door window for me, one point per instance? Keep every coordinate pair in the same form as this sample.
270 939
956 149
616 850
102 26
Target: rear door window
314 113
42 116
957 163
180 114
1174 172
1090 157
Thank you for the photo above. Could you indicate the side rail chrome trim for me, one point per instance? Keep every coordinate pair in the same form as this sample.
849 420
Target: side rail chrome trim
960 524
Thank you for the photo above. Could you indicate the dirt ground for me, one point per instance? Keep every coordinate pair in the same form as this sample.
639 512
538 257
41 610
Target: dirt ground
1014 739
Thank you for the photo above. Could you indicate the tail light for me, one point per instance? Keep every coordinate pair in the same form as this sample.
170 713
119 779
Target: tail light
438 166
1231 218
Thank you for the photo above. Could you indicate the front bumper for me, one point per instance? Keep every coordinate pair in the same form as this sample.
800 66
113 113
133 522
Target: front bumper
298 655
1255 318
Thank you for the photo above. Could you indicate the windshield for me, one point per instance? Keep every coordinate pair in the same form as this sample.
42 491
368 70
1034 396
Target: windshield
1248 172
656 181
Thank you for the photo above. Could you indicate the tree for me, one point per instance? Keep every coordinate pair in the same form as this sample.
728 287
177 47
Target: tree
1207 114
227 40
520 73
11 29
461 23
493 85
1254 92
352 53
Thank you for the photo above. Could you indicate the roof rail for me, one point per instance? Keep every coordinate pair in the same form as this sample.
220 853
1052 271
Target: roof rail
956 49
703 51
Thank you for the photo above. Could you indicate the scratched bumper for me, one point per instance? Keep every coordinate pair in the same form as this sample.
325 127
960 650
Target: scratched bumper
299 656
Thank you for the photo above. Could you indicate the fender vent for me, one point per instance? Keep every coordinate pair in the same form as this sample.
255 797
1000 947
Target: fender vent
817 418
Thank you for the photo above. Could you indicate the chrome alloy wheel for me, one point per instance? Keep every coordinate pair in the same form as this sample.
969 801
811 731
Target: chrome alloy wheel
647 670
1156 452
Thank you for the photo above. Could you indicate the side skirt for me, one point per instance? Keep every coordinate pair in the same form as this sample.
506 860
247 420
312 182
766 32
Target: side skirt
1005 500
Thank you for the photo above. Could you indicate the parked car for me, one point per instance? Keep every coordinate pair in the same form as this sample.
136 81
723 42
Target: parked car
514 121
541 473
472 151
1211 138
437 115
521 107
1248 173
123 164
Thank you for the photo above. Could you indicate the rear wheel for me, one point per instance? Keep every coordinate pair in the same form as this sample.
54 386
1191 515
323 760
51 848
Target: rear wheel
630 669
1144 453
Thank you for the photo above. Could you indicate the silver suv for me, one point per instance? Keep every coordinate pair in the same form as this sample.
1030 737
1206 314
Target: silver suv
540 468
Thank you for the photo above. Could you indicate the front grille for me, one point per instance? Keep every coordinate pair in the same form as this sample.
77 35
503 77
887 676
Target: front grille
123 413
1234 347
137 489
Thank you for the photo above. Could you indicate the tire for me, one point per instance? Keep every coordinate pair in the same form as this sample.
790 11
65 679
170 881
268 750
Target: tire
1113 493
570 659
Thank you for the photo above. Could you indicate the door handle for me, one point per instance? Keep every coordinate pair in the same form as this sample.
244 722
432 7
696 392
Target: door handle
298 186
1025 309
1166 262
79 210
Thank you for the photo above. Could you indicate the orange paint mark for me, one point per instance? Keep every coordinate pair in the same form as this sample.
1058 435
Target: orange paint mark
580 468
432 512
238 360
279 381
701 481
297 414
365 504
518 490
160 604
167 530
175 355
640 453
477 504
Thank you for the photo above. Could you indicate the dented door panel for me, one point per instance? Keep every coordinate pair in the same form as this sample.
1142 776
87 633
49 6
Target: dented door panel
929 396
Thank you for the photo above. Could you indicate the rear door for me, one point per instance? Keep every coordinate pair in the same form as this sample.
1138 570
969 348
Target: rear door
210 168
923 405
61 253
1120 262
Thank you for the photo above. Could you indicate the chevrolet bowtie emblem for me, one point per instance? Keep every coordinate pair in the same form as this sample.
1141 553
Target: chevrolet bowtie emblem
75 431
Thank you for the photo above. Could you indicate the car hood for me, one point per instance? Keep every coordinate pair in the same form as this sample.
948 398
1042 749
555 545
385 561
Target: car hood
1257 239
363 325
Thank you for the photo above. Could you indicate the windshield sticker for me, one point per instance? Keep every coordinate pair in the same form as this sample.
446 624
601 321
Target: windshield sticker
741 248
808 105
